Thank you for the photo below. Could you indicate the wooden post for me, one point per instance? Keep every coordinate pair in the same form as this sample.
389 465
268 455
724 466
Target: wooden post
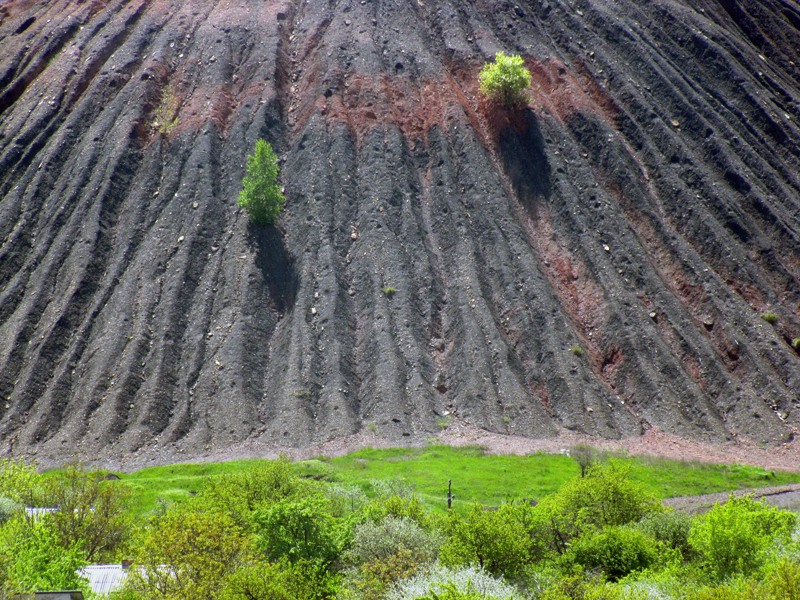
449 494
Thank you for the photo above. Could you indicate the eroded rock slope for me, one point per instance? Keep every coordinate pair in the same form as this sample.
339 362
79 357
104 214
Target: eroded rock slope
597 262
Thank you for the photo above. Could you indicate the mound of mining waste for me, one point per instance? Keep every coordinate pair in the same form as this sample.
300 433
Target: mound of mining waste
621 254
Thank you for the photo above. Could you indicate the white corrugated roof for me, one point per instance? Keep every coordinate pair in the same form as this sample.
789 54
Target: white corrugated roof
104 579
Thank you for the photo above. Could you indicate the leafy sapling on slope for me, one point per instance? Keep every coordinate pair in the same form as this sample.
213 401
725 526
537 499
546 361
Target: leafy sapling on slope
506 80
261 195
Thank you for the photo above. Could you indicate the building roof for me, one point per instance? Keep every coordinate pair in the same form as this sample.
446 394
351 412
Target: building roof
104 579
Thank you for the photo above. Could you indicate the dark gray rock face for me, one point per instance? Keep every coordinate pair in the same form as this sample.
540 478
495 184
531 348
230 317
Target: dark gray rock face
597 261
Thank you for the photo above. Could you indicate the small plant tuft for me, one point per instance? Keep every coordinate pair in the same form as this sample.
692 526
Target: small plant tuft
389 291
576 350
796 343
165 117
585 456
770 317
506 80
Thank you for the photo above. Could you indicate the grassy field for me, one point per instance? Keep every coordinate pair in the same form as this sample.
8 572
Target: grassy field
476 476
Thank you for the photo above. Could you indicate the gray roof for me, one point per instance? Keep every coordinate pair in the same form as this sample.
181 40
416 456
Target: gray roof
36 513
104 579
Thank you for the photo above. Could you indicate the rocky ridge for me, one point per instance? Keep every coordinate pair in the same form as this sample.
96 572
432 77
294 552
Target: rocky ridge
596 263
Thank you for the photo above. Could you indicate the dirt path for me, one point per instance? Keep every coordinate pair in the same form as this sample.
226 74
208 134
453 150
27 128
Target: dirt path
787 496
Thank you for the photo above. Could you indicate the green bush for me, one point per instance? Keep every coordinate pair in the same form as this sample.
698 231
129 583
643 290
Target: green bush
733 538
378 541
261 195
371 580
275 581
576 587
32 559
770 317
240 494
783 580
604 497
616 551
497 541
298 529
19 481
399 506
8 508
187 554
505 80
93 512
671 527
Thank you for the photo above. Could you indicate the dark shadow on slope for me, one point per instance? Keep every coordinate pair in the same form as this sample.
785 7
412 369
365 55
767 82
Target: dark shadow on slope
275 263
521 147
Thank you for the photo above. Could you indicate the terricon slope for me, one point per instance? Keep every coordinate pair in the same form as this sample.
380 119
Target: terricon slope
596 262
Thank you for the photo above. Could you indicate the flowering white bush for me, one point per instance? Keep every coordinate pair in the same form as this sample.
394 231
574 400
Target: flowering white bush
466 580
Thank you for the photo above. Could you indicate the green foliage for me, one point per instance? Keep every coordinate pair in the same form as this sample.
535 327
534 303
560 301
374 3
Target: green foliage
449 591
188 554
604 497
770 317
497 541
401 507
389 291
733 538
576 350
261 195
8 508
93 513
477 477
574 586
266 530
271 581
298 529
344 500
32 558
239 494
371 580
585 456
671 527
378 541
615 551
783 580
505 80
19 481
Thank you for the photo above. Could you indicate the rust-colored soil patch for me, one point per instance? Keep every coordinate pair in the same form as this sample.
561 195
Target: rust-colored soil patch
364 101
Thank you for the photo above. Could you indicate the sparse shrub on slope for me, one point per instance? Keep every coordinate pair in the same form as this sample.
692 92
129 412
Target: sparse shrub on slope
261 195
506 80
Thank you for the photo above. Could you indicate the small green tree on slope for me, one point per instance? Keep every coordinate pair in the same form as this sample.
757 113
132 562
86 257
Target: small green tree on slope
505 80
261 195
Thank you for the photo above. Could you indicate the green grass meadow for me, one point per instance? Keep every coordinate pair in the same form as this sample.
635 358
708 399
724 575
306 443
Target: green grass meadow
476 476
